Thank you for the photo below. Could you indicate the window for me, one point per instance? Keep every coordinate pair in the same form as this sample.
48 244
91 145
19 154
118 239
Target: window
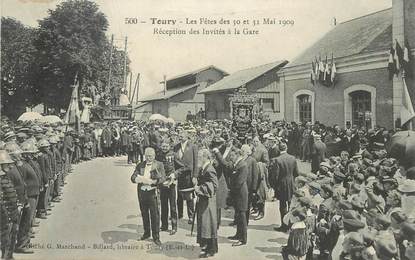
361 108
304 108
268 104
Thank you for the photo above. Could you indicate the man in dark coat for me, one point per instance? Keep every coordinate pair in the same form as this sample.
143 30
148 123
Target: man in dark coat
186 167
168 188
238 192
106 138
222 190
252 178
286 166
318 153
148 175
205 190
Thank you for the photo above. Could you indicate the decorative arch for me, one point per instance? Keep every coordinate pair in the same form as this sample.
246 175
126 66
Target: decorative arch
296 104
348 101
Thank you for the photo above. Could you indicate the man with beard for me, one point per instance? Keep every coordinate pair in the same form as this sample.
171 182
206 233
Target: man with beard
148 175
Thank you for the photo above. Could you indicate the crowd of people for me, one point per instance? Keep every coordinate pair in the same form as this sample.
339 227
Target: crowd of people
356 202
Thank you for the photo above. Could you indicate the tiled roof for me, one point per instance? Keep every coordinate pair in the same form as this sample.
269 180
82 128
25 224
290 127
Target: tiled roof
170 93
372 32
242 77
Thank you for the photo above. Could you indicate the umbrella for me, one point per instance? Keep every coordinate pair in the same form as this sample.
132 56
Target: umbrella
402 148
157 117
30 116
51 119
171 121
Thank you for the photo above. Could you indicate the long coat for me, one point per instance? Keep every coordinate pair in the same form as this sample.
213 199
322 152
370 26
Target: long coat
186 164
222 190
106 137
206 204
318 155
286 166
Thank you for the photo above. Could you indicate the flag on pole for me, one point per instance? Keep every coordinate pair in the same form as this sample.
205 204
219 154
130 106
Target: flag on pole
326 72
391 63
407 109
398 57
321 68
72 115
333 70
312 75
406 61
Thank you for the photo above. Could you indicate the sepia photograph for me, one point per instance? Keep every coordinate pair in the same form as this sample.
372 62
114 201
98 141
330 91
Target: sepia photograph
251 129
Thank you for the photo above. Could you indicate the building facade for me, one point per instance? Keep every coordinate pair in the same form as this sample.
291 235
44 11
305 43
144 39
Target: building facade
181 94
262 81
363 94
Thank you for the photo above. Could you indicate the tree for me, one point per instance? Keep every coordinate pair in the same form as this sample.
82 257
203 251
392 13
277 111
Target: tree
71 41
17 67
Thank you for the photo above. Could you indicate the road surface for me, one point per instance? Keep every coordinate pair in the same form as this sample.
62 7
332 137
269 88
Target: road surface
99 218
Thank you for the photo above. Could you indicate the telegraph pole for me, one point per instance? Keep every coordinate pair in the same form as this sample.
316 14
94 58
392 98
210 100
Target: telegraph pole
164 84
125 65
129 90
138 88
109 73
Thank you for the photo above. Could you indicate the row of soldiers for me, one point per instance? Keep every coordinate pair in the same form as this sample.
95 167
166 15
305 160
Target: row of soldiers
34 163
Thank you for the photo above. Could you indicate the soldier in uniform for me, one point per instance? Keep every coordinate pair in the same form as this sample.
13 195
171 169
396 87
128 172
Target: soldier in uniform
168 189
8 166
45 168
9 208
32 185
58 159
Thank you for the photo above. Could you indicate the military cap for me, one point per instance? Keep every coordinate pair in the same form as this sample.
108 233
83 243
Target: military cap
355 240
8 135
325 164
12 148
352 220
383 221
385 248
327 188
306 201
315 185
338 175
299 193
357 203
344 205
359 176
367 162
22 135
44 143
407 186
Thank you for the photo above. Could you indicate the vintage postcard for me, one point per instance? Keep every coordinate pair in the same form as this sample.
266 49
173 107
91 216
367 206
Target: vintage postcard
251 129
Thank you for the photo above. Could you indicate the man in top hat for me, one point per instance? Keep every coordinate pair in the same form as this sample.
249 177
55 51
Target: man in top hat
287 170
148 175
186 167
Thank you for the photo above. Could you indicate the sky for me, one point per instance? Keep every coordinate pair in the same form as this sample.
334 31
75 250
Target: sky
154 55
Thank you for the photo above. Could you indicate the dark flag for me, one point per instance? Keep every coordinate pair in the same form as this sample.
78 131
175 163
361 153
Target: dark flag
406 60
398 57
391 63
313 75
